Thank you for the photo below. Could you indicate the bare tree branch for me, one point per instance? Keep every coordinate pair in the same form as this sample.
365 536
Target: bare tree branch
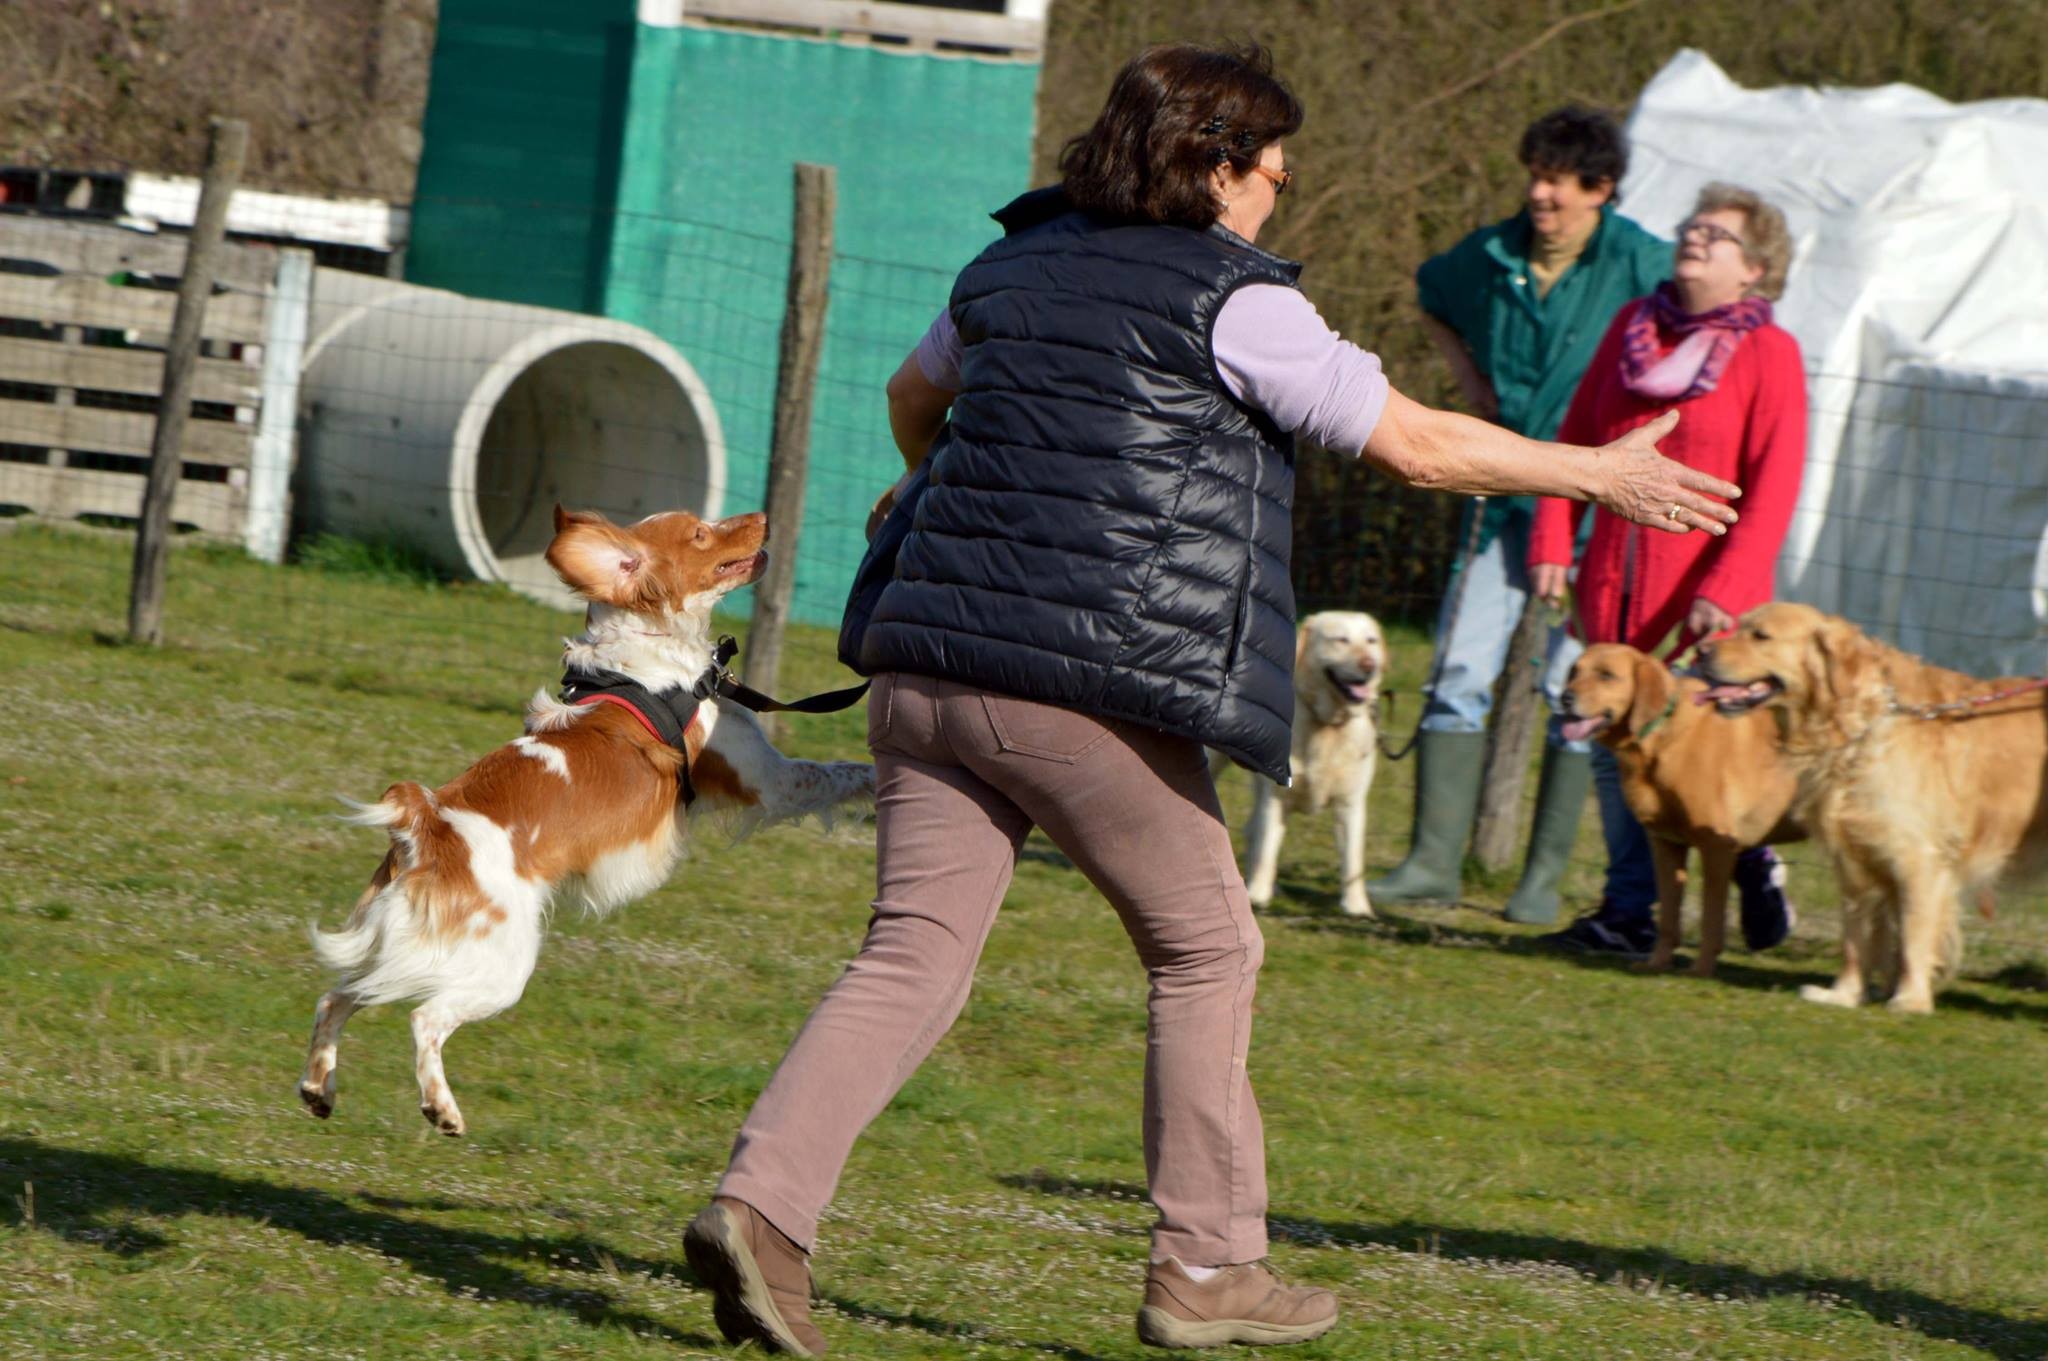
1561 26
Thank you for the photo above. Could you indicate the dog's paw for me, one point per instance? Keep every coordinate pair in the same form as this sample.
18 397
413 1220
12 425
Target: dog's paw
1655 964
1829 996
1359 908
447 1119
318 1099
1911 1004
1702 968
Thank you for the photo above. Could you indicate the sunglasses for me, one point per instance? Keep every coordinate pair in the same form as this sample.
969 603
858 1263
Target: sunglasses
1281 178
1708 234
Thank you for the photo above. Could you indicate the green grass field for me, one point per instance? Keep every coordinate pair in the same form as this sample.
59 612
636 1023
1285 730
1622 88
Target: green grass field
1487 1151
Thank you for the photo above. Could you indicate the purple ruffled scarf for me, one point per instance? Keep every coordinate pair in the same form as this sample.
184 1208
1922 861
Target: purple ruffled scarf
1706 342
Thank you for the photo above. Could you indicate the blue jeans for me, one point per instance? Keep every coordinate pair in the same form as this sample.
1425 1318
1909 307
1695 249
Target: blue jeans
1631 873
1473 645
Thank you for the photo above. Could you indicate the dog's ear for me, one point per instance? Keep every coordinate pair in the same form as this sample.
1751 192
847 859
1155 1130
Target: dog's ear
1841 663
1301 636
1654 689
598 560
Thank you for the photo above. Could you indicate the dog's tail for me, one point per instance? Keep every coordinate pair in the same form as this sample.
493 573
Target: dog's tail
404 811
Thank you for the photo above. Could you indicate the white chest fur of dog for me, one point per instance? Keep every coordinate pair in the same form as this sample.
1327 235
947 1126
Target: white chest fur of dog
585 808
1338 659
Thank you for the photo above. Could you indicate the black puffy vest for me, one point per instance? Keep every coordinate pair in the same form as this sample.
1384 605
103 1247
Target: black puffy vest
1106 529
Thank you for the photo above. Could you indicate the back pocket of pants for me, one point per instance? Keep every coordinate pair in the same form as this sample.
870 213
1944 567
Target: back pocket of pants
1046 731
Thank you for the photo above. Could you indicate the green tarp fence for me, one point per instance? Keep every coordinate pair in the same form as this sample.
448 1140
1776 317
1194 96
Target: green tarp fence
581 160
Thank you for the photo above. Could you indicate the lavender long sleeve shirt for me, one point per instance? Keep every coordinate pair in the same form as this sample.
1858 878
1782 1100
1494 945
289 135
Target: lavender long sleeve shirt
1274 353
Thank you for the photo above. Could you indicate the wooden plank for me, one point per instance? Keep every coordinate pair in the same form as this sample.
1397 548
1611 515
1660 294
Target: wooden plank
83 300
273 451
99 250
64 493
103 368
919 24
119 432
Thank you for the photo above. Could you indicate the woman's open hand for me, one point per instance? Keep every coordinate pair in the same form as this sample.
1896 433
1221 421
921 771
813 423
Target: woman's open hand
1641 485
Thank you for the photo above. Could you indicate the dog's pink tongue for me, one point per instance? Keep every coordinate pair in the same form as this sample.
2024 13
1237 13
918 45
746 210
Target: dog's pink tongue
1579 729
1355 691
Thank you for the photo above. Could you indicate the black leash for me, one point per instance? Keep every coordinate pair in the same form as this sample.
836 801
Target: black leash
718 680
669 714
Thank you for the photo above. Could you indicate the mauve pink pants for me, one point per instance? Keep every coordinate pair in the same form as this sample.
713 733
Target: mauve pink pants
962 775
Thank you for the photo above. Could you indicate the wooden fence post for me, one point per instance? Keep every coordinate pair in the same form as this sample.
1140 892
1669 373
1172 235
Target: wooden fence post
1495 835
227 140
796 380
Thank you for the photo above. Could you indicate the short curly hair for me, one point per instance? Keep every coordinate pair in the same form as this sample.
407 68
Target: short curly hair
1176 112
1766 240
1579 141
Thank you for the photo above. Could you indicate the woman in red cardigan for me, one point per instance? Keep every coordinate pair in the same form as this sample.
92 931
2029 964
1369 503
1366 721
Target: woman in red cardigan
1703 342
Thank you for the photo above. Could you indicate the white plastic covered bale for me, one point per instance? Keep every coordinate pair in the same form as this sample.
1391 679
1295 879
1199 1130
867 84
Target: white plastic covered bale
1919 294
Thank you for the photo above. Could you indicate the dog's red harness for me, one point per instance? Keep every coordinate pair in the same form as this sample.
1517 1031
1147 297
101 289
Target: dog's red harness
630 707
670 714
667 715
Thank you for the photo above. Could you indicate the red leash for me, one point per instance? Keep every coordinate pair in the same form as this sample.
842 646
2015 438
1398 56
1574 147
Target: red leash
1968 703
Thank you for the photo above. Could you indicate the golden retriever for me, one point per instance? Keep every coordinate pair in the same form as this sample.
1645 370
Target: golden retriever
1922 787
1338 658
1691 777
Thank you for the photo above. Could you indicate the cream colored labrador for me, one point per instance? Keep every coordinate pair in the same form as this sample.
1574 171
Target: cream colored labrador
1339 656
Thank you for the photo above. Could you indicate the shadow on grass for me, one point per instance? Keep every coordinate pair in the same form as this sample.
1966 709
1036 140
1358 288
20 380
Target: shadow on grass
82 1197
1997 1335
1315 912
952 1332
1322 917
2028 976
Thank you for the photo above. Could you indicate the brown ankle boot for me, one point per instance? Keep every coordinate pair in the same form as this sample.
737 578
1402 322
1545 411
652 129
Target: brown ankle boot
1244 1303
759 1278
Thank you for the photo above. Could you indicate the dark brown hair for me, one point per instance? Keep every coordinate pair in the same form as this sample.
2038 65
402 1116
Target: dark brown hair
1576 140
1175 113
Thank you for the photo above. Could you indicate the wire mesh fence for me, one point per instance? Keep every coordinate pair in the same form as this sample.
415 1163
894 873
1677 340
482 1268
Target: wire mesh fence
434 432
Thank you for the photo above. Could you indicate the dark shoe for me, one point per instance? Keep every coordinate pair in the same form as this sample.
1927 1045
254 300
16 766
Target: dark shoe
1608 931
1767 915
1560 802
1245 1303
1447 770
759 1278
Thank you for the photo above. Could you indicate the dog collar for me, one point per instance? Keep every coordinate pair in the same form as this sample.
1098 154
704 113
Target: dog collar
1658 721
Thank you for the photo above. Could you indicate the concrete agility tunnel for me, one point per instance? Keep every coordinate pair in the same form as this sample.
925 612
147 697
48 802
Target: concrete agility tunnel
454 425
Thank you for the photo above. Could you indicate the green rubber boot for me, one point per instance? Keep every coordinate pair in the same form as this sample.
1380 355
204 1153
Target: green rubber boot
1447 769
1560 799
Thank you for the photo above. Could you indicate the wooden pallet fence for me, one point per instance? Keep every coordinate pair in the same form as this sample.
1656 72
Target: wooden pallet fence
85 311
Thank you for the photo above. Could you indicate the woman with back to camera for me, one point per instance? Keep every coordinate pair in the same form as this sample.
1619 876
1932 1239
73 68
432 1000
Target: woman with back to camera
1096 585
1705 343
